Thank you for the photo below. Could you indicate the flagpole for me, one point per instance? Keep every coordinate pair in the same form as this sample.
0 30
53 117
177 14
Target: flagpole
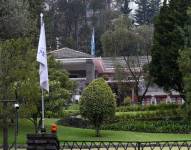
42 102
42 127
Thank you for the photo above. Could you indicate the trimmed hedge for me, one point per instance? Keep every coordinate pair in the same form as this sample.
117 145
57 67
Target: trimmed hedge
149 115
151 126
147 108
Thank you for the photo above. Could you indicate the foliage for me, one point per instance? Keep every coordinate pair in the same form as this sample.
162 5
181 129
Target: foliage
184 64
147 108
168 40
127 101
161 126
60 88
173 114
19 18
147 10
74 106
120 41
124 40
16 67
97 103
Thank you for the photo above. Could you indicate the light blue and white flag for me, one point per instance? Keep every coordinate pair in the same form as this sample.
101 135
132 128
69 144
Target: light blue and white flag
93 43
42 58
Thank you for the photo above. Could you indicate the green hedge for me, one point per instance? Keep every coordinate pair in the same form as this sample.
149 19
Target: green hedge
149 115
151 126
147 108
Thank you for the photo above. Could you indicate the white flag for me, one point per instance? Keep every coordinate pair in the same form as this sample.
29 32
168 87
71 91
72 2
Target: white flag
42 58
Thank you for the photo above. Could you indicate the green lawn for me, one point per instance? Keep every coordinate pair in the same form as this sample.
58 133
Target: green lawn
68 133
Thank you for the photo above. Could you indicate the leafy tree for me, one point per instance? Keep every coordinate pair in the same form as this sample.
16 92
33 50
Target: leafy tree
122 40
168 40
125 41
19 18
13 22
60 88
14 69
60 91
97 103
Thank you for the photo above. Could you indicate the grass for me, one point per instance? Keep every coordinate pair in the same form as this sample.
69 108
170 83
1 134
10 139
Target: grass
69 133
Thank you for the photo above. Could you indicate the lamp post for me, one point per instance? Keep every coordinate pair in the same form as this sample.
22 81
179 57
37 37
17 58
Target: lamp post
16 106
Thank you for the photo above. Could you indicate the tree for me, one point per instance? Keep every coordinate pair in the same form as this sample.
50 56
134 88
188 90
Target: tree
142 13
67 22
184 62
61 88
19 18
168 40
147 10
97 103
131 43
60 91
14 69
121 39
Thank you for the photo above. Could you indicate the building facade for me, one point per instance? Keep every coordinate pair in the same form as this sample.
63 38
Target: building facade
119 73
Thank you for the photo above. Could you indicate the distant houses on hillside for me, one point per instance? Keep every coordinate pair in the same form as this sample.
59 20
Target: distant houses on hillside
83 68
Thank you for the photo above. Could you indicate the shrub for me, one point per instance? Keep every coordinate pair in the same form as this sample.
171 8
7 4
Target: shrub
149 115
97 103
147 108
127 101
162 126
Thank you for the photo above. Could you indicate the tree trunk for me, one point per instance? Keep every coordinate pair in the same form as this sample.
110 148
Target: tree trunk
147 87
137 94
97 131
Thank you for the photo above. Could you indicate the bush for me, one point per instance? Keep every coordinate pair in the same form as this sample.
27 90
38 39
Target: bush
69 113
147 108
151 126
149 115
74 122
97 103
127 101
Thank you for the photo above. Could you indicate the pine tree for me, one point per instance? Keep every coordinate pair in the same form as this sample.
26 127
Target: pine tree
142 13
147 10
168 41
154 9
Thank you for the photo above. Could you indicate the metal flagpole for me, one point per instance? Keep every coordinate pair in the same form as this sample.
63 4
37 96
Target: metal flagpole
43 128
42 113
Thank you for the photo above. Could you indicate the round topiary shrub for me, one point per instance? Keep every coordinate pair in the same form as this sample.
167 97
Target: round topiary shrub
97 103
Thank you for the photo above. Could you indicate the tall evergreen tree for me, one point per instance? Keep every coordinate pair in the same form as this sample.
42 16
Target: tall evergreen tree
154 9
168 40
147 10
142 13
